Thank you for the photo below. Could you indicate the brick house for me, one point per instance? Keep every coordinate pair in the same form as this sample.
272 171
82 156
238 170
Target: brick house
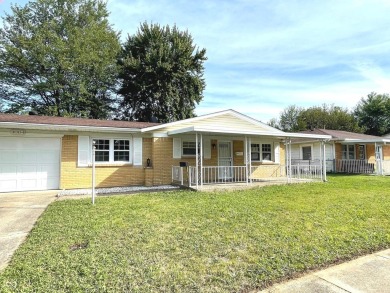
39 152
346 152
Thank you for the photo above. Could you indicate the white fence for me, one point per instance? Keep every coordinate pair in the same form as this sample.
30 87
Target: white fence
355 166
238 174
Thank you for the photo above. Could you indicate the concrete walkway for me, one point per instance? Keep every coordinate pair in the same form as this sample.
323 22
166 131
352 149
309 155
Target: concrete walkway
368 274
18 214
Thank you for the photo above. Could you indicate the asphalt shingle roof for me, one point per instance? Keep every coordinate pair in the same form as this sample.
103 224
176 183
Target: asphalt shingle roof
49 120
340 134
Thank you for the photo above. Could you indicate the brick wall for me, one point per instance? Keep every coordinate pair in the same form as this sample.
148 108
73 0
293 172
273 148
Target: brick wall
106 176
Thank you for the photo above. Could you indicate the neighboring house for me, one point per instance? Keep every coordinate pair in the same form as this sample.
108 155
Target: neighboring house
39 152
346 152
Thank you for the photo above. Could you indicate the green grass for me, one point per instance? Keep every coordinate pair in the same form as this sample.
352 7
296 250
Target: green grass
201 242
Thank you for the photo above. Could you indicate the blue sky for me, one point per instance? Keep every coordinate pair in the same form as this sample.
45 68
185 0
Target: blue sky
266 55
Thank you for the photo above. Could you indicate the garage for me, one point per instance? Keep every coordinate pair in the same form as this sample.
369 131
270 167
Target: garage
28 163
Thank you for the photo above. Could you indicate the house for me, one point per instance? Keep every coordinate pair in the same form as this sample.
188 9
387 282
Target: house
346 152
38 152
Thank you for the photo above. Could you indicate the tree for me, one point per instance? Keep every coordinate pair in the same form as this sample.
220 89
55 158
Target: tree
329 117
295 118
58 57
162 74
373 113
289 119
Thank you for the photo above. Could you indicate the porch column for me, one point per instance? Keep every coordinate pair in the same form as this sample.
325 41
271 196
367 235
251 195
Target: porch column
246 161
201 159
288 159
250 158
324 160
196 160
378 159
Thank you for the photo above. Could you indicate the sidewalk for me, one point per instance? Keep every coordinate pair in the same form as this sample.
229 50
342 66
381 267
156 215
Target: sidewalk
369 273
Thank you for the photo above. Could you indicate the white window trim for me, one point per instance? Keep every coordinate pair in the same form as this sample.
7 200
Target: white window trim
111 151
182 147
260 160
305 146
342 151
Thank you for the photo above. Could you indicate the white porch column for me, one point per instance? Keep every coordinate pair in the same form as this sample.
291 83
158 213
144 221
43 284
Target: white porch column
288 159
201 159
250 158
378 159
324 160
246 161
196 160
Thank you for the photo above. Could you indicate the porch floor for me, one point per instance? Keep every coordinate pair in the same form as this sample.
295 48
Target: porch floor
242 186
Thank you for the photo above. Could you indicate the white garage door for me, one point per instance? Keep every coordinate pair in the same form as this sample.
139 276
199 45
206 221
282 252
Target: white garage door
29 163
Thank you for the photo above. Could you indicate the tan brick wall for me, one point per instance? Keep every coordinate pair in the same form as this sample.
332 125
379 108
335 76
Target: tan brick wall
338 151
238 146
106 176
386 152
370 153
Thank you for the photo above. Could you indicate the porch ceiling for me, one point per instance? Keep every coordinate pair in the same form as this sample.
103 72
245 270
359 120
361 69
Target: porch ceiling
225 131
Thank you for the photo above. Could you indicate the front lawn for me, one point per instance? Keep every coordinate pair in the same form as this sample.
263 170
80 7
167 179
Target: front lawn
201 242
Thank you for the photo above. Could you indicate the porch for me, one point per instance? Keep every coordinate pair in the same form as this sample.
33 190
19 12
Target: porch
239 177
208 156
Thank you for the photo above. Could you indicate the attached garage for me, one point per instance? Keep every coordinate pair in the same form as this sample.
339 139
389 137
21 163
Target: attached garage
28 163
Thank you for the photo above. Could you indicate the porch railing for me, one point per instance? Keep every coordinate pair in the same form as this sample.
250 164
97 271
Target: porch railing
302 171
238 174
355 166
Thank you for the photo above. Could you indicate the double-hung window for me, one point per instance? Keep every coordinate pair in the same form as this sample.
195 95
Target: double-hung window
112 150
261 152
348 151
189 148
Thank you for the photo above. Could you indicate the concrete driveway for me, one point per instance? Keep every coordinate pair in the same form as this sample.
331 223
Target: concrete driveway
18 213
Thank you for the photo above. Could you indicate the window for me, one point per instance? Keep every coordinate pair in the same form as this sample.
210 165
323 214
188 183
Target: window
266 152
362 152
189 148
102 150
255 152
121 150
348 151
306 153
112 150
261 152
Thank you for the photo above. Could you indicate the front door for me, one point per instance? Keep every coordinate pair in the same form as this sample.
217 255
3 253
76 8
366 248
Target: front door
225 160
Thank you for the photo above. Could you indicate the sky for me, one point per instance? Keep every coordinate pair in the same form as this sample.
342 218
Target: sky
266 55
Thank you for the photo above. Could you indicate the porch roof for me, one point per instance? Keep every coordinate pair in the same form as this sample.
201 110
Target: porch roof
227 131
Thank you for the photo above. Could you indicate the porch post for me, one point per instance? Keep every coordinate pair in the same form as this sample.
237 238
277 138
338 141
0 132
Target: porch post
324 161
289 160
250 158
201 159
196 159
246 161
378 159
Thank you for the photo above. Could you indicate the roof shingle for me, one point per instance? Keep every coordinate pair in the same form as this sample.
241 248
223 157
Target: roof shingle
49 120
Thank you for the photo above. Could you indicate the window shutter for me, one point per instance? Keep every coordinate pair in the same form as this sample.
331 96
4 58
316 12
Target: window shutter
207 148
277 152
176 148
83 151
137 151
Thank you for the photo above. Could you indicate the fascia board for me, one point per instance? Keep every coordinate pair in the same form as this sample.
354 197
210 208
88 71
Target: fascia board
58 127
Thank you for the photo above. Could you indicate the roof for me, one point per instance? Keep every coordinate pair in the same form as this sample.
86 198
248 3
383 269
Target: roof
65 121
346 136
340 134
226 123
213 119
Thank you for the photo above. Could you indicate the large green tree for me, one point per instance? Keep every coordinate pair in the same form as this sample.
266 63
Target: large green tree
373 113
162 74
295 118
59 57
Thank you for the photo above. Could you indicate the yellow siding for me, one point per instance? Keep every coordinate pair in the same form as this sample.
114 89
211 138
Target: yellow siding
106 176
